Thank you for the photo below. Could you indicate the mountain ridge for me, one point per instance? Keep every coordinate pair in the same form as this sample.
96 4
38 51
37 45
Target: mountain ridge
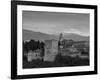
29 34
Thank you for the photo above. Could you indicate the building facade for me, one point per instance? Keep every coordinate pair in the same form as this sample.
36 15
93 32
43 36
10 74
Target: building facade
51 50
34 55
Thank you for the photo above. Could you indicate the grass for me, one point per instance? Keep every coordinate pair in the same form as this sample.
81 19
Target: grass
59 62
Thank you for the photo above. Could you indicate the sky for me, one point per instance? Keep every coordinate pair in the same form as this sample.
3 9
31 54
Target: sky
56 22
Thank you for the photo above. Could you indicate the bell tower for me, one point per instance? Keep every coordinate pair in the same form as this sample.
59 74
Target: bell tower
61 37
60 40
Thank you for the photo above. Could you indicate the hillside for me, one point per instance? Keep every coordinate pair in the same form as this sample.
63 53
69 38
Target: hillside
28 34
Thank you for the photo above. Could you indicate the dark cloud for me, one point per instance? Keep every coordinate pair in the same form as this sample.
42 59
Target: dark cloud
54 23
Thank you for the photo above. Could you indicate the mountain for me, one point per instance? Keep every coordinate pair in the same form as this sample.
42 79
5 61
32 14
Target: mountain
76 37
28 35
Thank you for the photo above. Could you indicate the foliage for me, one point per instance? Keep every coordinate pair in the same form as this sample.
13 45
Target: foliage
32 45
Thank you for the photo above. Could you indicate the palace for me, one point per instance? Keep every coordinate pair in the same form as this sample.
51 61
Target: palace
51 50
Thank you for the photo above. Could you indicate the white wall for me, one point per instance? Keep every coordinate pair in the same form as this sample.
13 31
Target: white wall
5 29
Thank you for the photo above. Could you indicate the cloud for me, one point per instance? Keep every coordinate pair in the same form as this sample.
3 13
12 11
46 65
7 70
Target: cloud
72 31
55 23
75 31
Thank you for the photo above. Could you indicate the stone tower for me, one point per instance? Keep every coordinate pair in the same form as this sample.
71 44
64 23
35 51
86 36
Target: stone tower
61 37
51 50
60 41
